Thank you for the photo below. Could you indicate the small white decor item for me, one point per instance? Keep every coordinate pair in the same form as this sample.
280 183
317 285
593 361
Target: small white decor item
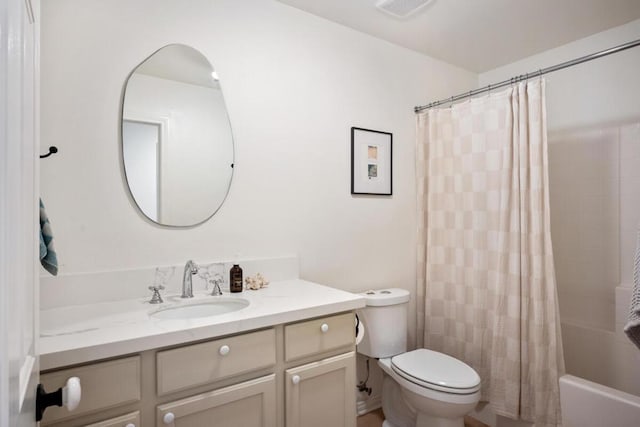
256 282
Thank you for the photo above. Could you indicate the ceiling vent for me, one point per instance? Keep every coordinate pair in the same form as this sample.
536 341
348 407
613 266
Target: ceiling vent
401 8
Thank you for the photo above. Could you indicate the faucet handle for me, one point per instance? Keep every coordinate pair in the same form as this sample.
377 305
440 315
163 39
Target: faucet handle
193 267
156 298
216 280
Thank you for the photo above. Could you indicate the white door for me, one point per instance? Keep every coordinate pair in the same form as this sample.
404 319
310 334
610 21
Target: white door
19 221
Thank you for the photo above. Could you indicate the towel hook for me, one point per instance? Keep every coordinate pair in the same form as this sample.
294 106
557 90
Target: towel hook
52 150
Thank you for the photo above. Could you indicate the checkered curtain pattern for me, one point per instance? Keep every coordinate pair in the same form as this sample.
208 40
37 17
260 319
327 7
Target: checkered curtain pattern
486 280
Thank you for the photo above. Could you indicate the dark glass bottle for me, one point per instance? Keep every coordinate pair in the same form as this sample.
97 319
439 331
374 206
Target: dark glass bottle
235 278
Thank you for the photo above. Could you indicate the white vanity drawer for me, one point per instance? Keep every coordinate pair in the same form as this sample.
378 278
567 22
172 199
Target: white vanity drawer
104 385
129 420
318 335
203 363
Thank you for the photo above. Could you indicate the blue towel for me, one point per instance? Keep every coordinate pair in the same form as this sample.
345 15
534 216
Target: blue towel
48 257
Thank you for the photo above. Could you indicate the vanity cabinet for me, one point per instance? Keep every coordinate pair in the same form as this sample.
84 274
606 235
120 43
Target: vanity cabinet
248 404
128 420
312 337
105 385
300 374
322 393
193 365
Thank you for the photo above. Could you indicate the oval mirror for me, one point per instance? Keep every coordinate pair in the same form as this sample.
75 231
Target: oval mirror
177 144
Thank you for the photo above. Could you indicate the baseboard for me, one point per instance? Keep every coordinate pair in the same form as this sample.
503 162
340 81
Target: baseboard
371 404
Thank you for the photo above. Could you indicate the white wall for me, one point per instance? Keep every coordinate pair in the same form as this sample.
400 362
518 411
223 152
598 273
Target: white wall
294 85
584 176
599 92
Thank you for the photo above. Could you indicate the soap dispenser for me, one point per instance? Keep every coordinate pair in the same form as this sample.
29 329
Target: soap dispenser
235 278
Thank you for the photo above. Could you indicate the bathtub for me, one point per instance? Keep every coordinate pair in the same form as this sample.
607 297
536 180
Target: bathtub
588 404
602 385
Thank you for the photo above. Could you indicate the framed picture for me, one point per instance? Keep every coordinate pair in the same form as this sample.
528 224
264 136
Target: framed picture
371 162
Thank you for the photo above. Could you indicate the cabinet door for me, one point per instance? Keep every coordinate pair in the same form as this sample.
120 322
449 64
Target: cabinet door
248 404
129 420
322 393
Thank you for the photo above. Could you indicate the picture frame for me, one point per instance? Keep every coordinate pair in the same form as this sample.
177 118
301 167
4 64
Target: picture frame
371 162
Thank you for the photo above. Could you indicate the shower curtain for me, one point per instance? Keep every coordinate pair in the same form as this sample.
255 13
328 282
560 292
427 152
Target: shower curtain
486 281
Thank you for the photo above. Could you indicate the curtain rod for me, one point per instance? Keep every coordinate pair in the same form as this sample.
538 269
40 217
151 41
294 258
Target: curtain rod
526 76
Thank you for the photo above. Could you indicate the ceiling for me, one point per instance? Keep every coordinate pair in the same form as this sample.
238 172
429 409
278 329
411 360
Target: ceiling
480 35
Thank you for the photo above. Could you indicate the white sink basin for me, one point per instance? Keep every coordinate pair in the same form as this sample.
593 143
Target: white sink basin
212 307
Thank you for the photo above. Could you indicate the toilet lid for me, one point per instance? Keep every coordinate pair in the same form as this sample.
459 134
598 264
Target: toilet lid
436 370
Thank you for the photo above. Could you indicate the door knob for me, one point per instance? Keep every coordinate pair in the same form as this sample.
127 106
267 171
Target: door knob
72 393
68 396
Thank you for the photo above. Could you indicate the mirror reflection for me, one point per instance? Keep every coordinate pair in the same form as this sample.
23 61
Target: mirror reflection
177 144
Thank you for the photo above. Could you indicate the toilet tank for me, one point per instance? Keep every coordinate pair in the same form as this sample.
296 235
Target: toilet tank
385 322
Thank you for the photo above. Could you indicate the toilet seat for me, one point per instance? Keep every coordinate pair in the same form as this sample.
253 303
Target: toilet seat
436 371
426 392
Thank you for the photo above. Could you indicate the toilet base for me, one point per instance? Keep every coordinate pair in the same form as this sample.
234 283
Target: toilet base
403 408
425 420
433 413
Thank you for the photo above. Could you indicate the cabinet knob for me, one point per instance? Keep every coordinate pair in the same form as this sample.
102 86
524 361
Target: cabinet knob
224 350
130 425
168 418
324 328
295 379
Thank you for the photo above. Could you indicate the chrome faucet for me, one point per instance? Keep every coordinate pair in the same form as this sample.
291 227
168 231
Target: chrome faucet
190 269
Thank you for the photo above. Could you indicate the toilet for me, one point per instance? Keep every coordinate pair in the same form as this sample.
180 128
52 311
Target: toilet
421 388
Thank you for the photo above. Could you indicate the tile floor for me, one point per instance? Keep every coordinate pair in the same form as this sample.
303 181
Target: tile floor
375 419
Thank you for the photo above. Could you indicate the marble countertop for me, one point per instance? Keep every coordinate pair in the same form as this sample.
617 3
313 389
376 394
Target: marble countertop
83 333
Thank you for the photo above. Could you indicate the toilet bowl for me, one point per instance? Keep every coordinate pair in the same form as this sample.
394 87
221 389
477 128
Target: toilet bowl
421 388
440 390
